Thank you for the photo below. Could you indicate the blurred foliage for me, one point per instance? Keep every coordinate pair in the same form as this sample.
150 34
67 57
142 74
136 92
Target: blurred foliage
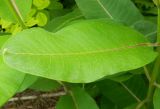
147 7
41 12
45 10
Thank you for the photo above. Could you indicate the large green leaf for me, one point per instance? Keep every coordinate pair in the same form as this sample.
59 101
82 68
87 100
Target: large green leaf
82 52
79 99
21 7
9 82
121 10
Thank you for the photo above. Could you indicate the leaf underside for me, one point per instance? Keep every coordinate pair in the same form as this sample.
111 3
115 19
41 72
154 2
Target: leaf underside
77 54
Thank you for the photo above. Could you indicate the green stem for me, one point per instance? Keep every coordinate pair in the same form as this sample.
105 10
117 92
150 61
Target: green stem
68 91
158 30
64 86
156 69
74 100
12 5
130 92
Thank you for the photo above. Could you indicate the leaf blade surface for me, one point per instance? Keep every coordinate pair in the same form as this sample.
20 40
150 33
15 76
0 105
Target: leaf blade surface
77 54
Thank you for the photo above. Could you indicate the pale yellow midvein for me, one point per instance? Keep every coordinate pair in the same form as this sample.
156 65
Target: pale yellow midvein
107 12
6 51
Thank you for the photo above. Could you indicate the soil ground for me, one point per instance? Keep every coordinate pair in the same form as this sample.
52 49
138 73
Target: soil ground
34 100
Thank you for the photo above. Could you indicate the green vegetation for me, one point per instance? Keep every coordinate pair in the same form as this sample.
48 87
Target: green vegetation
104 53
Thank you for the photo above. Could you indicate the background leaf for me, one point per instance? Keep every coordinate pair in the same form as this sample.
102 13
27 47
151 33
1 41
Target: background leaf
147 28
120 10
78 100
65 102
3 38
133 106
107 104
117 94
27 82
59 22
43 84
9 82
156 99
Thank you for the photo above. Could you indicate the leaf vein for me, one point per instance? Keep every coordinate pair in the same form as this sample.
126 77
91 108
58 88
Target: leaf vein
106 11
6 51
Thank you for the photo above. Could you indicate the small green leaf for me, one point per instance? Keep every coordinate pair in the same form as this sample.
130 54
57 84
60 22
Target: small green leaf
41 19
41 4
43 84
15 28
77 54
65 102
79 99
27 82
31 22
55 4
120 77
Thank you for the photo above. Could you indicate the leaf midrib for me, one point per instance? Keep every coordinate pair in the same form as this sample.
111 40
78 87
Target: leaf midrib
6 51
